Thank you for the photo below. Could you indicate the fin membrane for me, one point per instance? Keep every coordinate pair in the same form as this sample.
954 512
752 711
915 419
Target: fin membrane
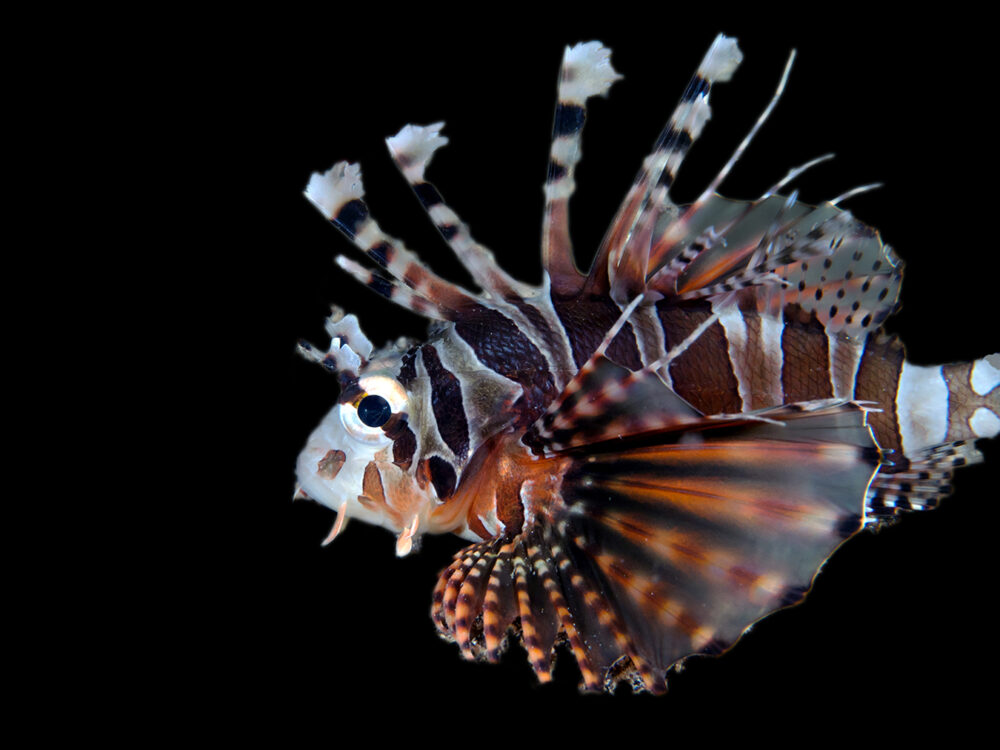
655 551
821 259
922 485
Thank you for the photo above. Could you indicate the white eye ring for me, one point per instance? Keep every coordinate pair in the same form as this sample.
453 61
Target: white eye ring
373 385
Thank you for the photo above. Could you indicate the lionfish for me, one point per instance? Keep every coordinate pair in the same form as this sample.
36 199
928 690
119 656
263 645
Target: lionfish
650 457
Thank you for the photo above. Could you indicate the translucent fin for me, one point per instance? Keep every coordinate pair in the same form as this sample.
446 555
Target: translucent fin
922 485
819 258
650 551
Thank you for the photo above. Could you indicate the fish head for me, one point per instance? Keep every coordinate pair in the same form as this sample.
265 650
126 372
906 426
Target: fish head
358 460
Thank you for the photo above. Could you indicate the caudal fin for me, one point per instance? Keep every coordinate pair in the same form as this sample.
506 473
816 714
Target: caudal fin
941 411
948 403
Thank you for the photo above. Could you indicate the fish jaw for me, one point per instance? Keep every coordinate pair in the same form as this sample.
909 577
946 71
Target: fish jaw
358 479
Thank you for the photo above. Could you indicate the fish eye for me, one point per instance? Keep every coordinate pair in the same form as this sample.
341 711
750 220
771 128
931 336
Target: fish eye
364 419
374 411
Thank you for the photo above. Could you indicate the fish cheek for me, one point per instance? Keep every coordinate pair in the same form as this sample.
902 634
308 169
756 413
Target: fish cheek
331 464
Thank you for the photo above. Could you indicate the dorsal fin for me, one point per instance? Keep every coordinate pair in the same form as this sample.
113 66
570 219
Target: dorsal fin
626 241
412 149
586 71
337 194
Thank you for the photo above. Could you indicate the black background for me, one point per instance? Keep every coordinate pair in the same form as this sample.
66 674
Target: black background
896 628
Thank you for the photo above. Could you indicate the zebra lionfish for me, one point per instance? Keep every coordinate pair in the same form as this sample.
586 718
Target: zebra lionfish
649 457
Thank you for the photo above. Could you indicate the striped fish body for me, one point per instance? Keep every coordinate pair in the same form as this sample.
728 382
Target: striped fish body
650 457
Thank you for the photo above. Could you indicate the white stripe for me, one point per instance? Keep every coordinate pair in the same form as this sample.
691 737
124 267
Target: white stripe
721 60
736 335
482 388
566 150
648 334
561 189
984 423
560 360
838 346
921 407
442 214
985 375
510 311
771 329
422 420
369 235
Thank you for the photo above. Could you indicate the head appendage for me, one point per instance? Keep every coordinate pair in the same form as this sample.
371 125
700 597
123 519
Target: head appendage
349 349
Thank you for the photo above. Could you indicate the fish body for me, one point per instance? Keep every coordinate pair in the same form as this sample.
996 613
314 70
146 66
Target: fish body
650 457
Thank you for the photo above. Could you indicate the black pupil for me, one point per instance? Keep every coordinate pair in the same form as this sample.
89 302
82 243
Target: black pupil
374 411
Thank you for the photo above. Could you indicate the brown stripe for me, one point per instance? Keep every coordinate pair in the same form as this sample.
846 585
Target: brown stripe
554 343
446 401
499 345
404 445
408 367
878 381
963 401
805 371
702 375
586 321
442 476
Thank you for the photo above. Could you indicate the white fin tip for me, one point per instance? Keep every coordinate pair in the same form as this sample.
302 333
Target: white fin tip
414 146
922 407
721 60
330 190
586 72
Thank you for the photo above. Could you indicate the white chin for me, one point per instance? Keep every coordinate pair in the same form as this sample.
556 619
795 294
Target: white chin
349 481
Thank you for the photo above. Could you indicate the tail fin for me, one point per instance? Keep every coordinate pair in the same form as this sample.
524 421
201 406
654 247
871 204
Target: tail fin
941 411
948 403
